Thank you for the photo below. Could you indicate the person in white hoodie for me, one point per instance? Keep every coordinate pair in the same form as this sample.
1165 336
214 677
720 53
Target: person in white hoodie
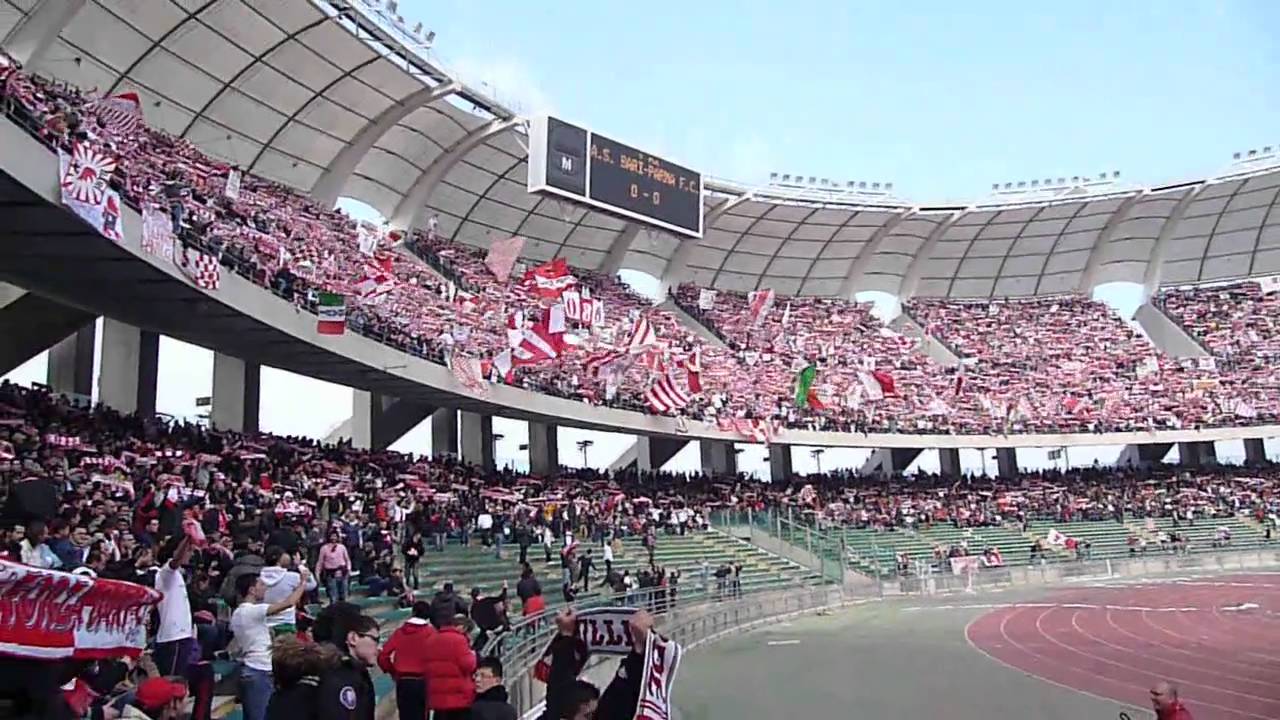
281 580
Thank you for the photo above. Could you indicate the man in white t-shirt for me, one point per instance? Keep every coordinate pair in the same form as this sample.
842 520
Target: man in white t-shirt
252 640
175 636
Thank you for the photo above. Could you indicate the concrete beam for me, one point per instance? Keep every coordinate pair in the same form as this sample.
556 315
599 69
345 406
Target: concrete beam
444 433
904 324
237 386
30 39
1143 455
887 461
691 324
648 453
31 324
1166 334
130 363
477 439
377 421
544 449
718 457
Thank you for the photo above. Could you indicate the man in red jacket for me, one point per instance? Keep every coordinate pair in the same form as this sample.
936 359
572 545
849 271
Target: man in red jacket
1164 698
450 663
404 658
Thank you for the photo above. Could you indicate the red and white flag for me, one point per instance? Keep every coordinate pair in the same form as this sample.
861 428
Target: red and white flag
466 370
202 269
759 303
573 304
757 430
502 256
642 335
157 233
550 279
693 366
665 396
374 284
121 112
537 344
51 615
661 662
604 362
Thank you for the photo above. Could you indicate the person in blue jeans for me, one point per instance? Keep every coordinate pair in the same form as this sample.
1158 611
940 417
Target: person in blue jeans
251 640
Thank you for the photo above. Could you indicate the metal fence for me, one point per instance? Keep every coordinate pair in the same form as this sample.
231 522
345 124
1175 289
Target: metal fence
692 621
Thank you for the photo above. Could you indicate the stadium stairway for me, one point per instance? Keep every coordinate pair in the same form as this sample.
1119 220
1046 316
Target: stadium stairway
477 566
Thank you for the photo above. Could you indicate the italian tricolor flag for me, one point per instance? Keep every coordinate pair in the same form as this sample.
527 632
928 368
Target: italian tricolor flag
331 314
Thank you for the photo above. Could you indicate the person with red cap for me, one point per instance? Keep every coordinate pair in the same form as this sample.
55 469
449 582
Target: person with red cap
157 698
1164 698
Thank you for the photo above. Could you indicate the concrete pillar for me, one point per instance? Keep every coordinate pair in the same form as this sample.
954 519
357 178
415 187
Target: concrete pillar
377 420
544 448
1007 462
236 390
130 362
1255 451
1144 455
949 462
779 462
476 439
1197 454
71 363
444 432
718 457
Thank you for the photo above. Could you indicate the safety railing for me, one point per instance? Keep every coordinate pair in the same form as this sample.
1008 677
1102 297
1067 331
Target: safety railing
691 621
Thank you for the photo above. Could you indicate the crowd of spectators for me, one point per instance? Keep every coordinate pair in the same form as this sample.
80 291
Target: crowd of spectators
1047 364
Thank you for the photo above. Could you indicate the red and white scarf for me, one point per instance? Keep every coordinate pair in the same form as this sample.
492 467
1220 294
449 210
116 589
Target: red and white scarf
661 661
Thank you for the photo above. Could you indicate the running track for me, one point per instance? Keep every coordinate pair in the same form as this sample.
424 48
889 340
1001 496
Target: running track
1116 642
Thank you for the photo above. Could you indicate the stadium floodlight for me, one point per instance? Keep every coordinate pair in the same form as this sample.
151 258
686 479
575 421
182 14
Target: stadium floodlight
431 36
888 186
392 6
773 177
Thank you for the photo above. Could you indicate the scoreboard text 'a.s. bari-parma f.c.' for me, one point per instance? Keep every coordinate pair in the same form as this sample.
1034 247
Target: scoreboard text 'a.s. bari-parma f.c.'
589 168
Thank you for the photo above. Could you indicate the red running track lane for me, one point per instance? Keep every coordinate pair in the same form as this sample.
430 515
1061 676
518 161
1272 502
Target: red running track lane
1116 642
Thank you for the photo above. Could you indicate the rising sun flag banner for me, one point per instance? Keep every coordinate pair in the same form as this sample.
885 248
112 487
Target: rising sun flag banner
331 314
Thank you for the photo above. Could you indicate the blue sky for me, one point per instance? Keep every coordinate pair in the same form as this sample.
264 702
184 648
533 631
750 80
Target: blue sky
941 98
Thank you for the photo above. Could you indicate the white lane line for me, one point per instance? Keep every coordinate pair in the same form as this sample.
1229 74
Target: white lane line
783 642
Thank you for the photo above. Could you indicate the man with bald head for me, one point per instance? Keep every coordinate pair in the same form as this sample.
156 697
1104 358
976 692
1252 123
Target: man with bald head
1164 698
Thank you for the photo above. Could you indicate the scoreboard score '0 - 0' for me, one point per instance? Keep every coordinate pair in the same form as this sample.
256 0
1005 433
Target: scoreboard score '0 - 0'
587 167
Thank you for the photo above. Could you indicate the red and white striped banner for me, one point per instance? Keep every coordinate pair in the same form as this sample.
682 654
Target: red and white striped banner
466 370
661 662
502 256
47 615
665 396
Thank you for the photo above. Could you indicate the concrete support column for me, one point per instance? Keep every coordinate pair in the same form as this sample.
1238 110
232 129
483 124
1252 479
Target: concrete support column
1007 462
648 453
718 457
236 389
31 324
1197 454
130 362
477 439
444 432
378 420
949 462
544 448
71 363
1255 451
1144 455
779 462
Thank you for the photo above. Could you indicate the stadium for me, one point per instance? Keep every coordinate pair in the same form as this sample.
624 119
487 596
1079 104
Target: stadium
185 170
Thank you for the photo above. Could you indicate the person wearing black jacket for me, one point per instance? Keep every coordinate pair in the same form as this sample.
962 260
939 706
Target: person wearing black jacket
346 691
489 612
571 699
296 668
491 697
448 602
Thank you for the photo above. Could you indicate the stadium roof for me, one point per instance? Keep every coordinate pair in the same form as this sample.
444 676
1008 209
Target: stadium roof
329 97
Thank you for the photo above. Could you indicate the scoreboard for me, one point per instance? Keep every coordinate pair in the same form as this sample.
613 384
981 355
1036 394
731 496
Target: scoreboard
589 168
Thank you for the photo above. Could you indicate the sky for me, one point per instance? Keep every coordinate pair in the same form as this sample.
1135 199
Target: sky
940 98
